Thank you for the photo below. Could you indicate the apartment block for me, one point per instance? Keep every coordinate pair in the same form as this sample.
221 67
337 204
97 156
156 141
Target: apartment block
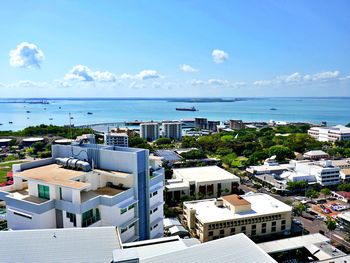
236 124
172 130
330 134
116 139
201 123
88 185
253 214
149 131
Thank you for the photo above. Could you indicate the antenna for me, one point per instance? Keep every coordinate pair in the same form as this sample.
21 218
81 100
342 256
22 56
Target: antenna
70 131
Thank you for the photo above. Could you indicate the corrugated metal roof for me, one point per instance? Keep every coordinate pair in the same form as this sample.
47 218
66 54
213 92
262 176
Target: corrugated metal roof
59 245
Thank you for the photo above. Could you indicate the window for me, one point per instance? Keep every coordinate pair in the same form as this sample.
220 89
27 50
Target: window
253 226
210 233
243 228
72 218
222 232
123 230
132 225
233 230
90 217
123 210
263 230
273 223
273 229
283 222
253 232
131 206
283 227
43 191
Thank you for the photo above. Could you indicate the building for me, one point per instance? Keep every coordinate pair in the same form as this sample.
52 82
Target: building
172 130
104 244
27 142
116 139
236 124
324 172
88 185
5 142
149 131
213 125
342 164
253 214
201 123
345 175
342 196
344 219
206 181
315 155
330 134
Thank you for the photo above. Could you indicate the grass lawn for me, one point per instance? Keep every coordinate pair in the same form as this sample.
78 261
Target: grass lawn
4 168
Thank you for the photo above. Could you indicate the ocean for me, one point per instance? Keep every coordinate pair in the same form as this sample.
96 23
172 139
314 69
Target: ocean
22 113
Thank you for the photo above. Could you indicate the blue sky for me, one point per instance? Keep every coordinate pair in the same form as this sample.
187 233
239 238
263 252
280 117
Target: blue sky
174 48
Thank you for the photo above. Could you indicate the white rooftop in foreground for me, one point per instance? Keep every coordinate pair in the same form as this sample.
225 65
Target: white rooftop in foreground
236 248
261 204
59 245
204 174
292 243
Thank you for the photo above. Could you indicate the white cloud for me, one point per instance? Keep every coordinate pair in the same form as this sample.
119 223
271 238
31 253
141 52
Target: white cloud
196 82
219 56
156 85
126 76
188 69
326 75
295 77
135 85
148 74
83 73
217 82
26 55
345 78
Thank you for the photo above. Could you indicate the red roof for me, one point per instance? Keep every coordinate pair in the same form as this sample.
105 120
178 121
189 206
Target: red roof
9 175
344 194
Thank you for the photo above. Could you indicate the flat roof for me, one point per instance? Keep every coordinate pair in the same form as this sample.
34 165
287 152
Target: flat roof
264 168
64 141
33 139
261 204
54 174
204 174
5 140
90 244
316 153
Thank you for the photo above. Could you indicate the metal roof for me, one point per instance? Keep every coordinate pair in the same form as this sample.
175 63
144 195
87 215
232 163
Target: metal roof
59 245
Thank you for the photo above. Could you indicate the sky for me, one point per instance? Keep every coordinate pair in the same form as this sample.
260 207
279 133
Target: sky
207 48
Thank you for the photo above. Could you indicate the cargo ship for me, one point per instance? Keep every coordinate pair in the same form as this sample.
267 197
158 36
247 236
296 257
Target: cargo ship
186 109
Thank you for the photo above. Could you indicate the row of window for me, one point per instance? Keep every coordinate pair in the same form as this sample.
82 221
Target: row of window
153 194
124 229
90 217
72 218
153 227
244 222
153 211
124 210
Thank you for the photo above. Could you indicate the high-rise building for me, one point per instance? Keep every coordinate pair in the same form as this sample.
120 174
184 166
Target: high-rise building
236 124
212 125
172 130
88 185
149 131
116 139
201 123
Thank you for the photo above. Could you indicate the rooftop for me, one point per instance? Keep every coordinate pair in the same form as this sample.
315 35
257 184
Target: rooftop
235 200
261 204
204 174
345 171
54 174
316 153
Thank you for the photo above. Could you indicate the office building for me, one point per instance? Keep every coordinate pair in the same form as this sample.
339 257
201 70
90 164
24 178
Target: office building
330 134
236 124
172 130
88 185
206 181
149 131
201 123
116 139
213 125
253 214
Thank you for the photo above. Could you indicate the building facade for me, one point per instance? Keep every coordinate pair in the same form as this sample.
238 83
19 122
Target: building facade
88 185
252 214
116 139
236 124
172 130
149 131
330 134
213 125
201 123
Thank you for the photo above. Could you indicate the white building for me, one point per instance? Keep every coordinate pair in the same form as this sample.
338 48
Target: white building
209 181
149 131
330 134
172 130
88 185
316 155
324 172
103 244
253 214
116 139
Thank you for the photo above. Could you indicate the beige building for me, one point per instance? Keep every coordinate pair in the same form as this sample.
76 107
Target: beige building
253 214
236 124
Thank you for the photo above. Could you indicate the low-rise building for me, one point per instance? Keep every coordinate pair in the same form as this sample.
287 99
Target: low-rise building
149 131
116 139
316 155
330 134
236 124
206 181
201 123
345 175
253 214
213 125
342 196
88 185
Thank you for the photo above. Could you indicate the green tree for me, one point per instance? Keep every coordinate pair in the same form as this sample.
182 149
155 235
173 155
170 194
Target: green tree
282 153
298 209
344 187
162 141
326 192
311 193
194 154
331 224
297 186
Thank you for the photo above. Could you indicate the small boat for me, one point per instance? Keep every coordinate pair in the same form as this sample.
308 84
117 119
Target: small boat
59 107
10 122
71 118
27 118
273 109
1 124
186 109
50 119
44 108
28 111
89 113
